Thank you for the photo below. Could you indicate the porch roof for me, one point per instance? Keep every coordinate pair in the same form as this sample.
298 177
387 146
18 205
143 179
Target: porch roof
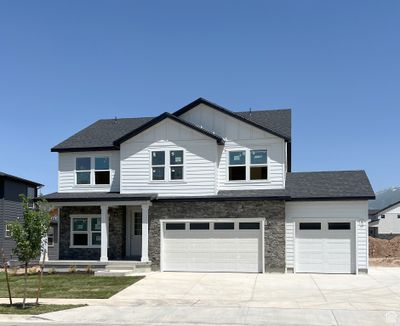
56 197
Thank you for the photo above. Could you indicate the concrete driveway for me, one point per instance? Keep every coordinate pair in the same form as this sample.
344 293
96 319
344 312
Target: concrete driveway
249 299
380 289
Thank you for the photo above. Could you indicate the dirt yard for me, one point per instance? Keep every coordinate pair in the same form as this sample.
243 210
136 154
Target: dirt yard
384 252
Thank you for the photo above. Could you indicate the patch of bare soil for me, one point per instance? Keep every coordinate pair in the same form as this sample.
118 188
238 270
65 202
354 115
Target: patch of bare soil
384 252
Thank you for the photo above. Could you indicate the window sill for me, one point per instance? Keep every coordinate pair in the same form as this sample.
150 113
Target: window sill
247 181
167 182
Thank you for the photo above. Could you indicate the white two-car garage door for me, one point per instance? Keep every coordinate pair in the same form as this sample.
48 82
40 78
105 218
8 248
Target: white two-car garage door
212 246
325 247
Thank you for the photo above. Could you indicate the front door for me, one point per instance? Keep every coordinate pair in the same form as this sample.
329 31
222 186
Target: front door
135 242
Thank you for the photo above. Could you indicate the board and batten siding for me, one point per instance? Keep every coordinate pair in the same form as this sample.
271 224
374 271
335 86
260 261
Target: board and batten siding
354 211
200 156
239 135
66 172
11 210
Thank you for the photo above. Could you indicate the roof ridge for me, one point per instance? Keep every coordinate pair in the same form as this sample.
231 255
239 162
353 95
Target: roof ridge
326 171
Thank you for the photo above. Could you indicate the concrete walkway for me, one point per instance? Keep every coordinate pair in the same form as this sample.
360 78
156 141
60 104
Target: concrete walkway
242 299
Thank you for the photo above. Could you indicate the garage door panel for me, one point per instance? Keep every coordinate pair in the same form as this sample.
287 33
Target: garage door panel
212 250
324 250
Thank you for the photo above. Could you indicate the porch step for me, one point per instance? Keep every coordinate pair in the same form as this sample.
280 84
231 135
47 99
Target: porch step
113 273
131 267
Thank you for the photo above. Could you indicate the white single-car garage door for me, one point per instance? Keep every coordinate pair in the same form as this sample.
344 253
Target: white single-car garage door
212 246
325 247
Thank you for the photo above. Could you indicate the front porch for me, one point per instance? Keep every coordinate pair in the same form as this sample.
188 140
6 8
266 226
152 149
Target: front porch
101 234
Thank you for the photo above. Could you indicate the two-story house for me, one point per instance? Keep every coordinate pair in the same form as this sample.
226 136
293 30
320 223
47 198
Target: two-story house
206 189
11 187
385 222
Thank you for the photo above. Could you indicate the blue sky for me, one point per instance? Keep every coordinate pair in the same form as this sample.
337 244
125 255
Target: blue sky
65 64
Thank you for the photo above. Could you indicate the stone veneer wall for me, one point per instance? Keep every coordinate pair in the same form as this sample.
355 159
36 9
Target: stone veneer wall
116 240
273 211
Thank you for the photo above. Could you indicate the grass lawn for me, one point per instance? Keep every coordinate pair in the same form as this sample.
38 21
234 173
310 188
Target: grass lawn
35 310
68 286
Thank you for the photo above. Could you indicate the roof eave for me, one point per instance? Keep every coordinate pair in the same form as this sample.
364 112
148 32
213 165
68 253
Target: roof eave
325 198
84 149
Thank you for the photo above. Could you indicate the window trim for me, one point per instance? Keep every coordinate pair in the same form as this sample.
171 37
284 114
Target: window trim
167 166
248 165
310 222
339 229
89 231
53 236
92 171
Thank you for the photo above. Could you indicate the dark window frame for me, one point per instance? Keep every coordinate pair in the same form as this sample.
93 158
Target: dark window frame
332 226
249 225
312 226
176 226
199 226
224 226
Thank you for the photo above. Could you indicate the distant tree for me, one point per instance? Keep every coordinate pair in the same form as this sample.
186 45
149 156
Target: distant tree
28 234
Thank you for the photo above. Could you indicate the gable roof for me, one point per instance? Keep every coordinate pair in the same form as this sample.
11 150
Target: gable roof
329 184
106 134
162 117
378 211
15 178
100 135
276 122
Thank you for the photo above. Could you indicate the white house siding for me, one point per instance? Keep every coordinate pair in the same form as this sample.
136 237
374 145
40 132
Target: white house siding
391 223
240 135
354 211
66 172
200 156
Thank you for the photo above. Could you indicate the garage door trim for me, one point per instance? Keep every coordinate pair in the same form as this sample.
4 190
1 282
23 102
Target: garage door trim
261 220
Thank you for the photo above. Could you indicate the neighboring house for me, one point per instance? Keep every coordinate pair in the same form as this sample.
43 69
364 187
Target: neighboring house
206 189
385 222
11 187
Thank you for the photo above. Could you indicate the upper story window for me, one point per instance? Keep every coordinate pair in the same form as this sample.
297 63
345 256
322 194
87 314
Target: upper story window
94 171
158 165
102 171
174 165
7 230
83 168
248 165
258 165
237 165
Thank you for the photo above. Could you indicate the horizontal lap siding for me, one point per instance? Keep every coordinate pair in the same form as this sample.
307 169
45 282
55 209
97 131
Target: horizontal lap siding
290 236
11 211
66 172
362 244
199 161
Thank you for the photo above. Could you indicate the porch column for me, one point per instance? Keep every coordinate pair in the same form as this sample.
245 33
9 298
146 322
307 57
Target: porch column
145 233
104 233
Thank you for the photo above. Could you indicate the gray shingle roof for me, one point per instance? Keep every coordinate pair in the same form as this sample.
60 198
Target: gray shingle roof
329 184
103 133
13 177
277 120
